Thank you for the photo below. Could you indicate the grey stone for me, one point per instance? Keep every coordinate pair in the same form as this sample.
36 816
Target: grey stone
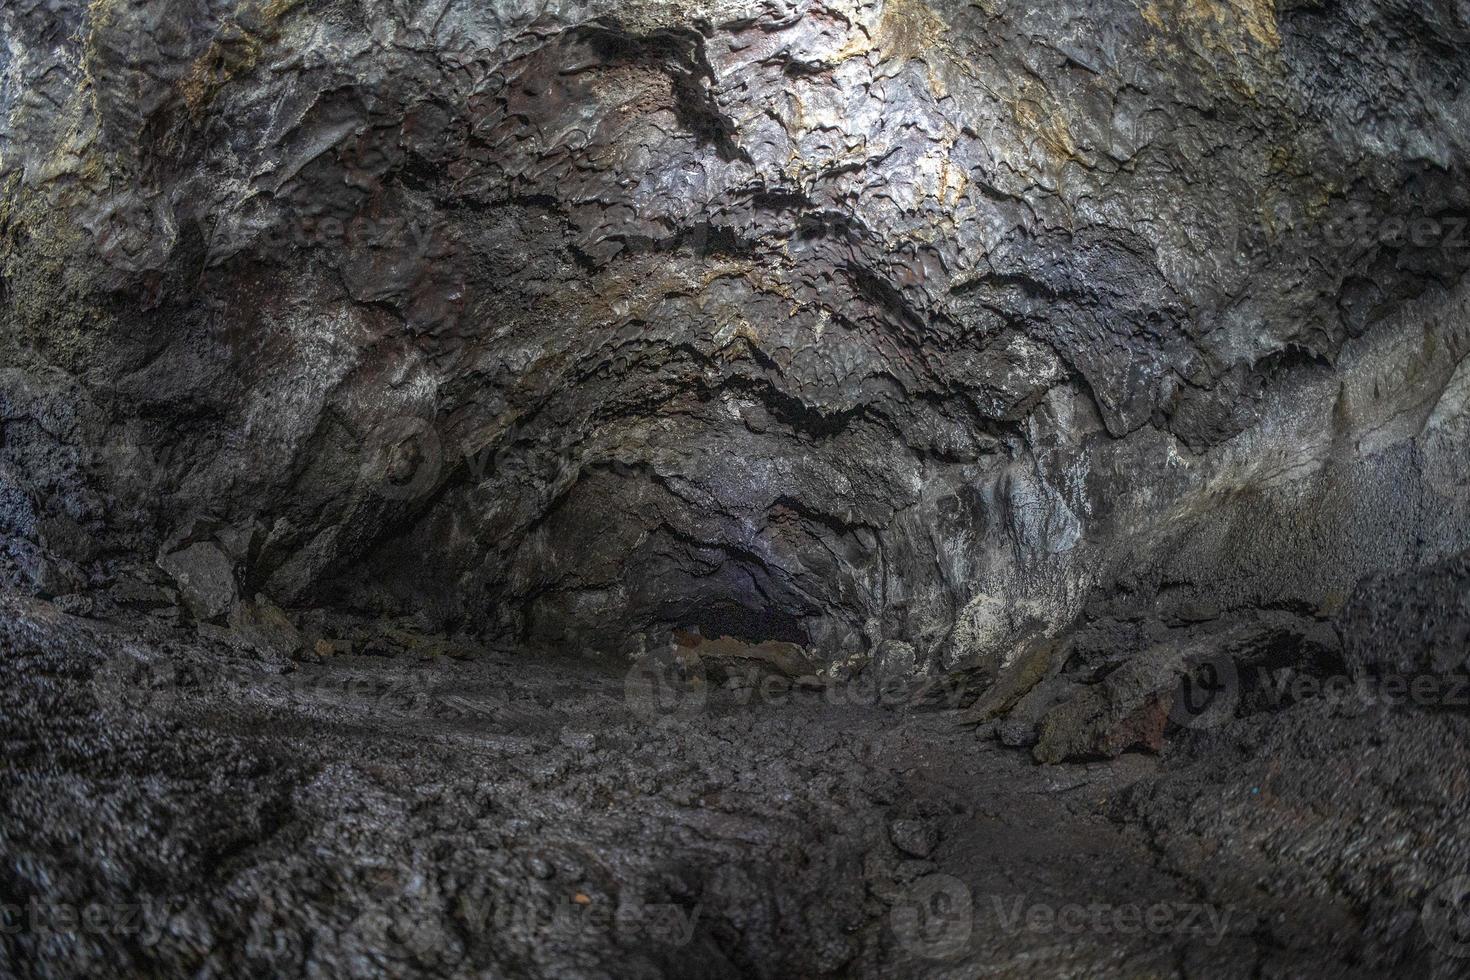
1017 733
895 658
51 577
264 626
135 594
205 579
916 838
75 604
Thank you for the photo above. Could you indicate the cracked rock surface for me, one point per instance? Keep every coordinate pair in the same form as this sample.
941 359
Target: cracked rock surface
498 818
1086 381
822 322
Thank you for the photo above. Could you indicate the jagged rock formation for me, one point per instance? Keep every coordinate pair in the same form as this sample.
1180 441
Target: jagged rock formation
822 322
1071 353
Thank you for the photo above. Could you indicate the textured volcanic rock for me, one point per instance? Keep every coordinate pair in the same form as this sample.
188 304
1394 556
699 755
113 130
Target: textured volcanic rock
1087 376
216 815
823 322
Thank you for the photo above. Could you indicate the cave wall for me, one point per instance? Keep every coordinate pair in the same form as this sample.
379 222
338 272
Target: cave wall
838 322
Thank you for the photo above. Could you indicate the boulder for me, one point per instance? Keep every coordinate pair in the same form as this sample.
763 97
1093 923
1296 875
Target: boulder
205 578
916 838
1128 709
265 627
132 593
895 658
727 657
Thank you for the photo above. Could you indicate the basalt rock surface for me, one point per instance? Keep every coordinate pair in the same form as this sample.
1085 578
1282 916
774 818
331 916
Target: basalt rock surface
171 806
821 322
1092 375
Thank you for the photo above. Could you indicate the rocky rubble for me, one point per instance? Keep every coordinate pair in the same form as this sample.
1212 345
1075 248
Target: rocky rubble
174 807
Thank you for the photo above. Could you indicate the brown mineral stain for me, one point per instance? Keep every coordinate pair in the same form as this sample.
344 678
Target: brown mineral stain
1220 20
954 182
235 50
907 29
1040 117
910 29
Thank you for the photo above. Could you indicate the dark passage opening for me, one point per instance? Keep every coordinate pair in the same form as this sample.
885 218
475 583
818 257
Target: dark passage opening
747 624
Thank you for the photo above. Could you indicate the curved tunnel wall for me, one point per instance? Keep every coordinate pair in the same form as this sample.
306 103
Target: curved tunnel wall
838 322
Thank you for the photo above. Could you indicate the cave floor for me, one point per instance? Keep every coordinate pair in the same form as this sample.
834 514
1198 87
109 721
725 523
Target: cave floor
515 817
